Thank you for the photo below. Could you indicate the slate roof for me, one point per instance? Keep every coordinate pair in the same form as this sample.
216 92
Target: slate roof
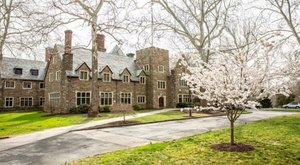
9 64
116 62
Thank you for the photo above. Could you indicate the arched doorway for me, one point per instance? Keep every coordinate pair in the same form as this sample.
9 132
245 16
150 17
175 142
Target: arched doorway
161 102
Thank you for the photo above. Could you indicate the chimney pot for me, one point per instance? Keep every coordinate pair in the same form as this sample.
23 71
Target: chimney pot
68 41
100 39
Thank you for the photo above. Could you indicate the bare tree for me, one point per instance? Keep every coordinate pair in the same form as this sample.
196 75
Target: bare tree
197 22
23 26
102 17
124 109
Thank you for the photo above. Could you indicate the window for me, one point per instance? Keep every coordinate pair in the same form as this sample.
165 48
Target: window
54 99
26 102
161 68
58 75
83 98
42 85
34 72
126 98
141 99
143 80
51 77
106 77
18 71
83 75
125 79
42 101
183 83
184 98
9 102
9 84
106 98
146 68
161 84
26 85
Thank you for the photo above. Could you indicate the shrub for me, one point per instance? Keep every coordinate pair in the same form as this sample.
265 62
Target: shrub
265 103
106 108
181 105
80 109
137 106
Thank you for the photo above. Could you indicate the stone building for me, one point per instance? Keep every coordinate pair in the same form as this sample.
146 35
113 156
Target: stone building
144 78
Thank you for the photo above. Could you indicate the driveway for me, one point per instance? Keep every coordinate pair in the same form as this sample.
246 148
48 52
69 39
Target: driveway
75 145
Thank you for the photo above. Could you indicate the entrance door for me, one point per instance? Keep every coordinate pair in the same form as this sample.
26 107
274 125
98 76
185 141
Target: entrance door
161 102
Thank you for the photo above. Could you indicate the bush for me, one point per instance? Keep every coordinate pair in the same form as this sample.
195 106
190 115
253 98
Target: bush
137 106
80 109
281 99
265 103
181 105
106 108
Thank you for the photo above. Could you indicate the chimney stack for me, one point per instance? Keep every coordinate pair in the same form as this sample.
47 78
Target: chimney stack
68 41
48 53
100 39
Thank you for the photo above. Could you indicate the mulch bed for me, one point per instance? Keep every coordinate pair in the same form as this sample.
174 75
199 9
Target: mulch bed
237 147
119 123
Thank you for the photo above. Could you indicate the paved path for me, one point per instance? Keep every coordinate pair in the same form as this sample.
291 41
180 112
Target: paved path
40 135
76 145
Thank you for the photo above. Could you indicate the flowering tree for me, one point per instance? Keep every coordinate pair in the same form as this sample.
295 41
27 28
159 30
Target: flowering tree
234 80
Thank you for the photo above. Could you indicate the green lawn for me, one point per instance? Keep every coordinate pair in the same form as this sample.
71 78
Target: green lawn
277 141
166 116
281 109
14 123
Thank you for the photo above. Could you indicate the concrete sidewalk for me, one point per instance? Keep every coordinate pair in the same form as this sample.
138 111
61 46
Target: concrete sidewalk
75 145
40 135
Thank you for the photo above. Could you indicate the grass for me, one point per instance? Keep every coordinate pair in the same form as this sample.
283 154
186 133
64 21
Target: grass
277 141
15 123
166 116
281 109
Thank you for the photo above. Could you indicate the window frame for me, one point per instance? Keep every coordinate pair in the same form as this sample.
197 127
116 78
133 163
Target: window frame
128 79
81 97
124 100
159 68
58 75
163 82
109 77
26 82
87 75
12 102
40 99
50 77
56 99
25 101
183 83
141 96
40 85
143 78
10 82
184 97
146 68
100 98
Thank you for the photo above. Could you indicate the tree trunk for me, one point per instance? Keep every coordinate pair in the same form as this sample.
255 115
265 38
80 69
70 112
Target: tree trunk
231 133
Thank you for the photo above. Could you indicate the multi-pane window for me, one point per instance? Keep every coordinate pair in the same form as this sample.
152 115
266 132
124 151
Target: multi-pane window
106 98
125 79
51 77
26 85
106 77
161 68
146 68
184 98
58 75
54 99
183 83
126 98
9 102
143 80
83 98
26 102
42 101
141 99
42 85
161 84
9 84
83 75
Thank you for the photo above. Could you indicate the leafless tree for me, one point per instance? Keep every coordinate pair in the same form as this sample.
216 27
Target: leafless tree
101 16
23 26
196 22
124 109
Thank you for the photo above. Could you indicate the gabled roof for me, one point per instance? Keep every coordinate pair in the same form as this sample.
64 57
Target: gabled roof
122 71
114 61
79 66
9 64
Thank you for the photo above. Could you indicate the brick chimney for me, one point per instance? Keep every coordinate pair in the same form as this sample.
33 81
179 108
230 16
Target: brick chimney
68 41
48 53
100 39
68 56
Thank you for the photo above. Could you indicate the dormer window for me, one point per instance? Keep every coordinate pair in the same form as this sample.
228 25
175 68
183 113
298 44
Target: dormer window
34 72
106 77
18 71
83 75
125 78
146 68
143 80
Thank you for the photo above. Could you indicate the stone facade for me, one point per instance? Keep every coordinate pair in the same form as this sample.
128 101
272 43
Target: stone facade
146 79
